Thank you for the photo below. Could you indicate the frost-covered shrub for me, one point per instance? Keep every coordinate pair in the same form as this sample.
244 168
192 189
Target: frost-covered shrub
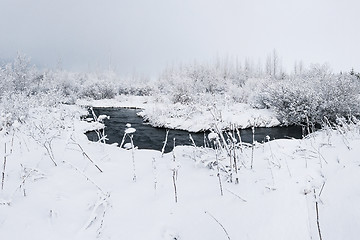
21 88
15 106
136 89
250 92
339 96
182 93
108 85
291 100
19 76
189 83
6 82
22 74
97 86
67 84
312 96
98 91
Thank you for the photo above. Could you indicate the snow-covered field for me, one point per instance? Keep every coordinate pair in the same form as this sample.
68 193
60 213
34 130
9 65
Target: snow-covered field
194 117
59 185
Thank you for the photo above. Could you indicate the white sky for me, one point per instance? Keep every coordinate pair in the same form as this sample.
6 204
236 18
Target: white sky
147 35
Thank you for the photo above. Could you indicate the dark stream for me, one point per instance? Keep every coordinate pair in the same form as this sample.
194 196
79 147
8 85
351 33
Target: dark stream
148 137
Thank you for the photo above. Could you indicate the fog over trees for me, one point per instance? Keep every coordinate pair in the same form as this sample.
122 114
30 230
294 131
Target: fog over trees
307 94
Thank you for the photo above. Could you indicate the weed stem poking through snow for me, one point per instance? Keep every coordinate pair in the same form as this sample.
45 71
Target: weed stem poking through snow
3 172
227 234
174 175
252 146
132 156
165 142
86 155
317 215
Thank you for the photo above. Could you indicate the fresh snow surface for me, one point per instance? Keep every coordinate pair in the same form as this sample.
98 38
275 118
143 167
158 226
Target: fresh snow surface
123 101
101 118
197 118
194 117
91 193
130 130
212 136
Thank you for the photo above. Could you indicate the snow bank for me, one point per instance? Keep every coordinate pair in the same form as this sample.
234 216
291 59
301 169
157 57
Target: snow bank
193 118
197 118
123 101
91 194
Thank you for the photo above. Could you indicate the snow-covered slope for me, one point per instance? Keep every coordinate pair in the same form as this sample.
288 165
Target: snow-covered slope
91 194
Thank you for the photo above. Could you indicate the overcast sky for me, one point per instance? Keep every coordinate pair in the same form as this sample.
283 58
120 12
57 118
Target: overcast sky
147 35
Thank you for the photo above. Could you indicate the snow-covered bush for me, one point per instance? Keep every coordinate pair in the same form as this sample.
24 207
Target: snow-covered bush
15 105
98 90
189 83
108 85
250 91
19 76
339 96
312 96
21 88
67 84
291 100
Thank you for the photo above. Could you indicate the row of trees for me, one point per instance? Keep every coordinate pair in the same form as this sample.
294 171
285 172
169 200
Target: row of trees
22 86
20 76
307 94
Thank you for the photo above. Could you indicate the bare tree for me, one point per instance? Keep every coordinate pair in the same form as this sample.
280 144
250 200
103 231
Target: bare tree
268 65
275 64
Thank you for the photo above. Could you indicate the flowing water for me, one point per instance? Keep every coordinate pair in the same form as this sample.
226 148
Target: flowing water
148 137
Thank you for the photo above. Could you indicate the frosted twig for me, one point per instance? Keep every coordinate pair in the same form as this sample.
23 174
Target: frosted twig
242 199
94 115
47 146
320 155
86 155
103 139
252 146
218 171
317 215
194 145
322 187
133 157
123 140
220 133
174 183
192 140
86 177
3 172
104 203
227 234
240 141
174 175
12 142
154 172
165 142
23 181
